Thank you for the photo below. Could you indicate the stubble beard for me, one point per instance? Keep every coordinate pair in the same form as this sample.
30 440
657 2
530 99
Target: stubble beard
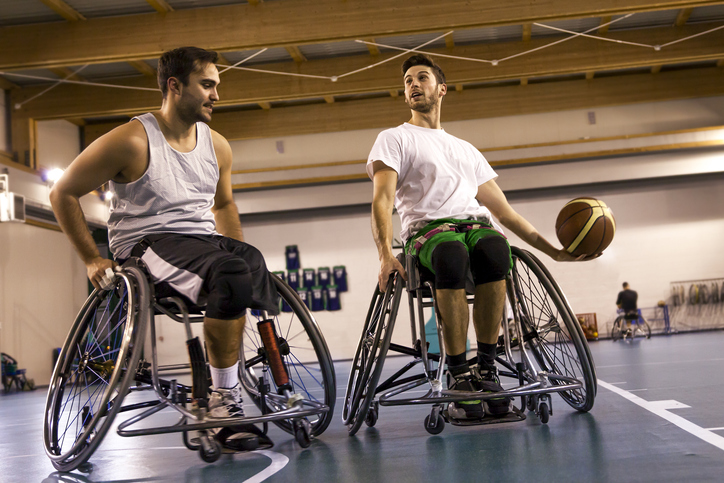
426 107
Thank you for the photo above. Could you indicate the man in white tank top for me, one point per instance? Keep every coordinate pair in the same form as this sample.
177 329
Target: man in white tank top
445 192
175 209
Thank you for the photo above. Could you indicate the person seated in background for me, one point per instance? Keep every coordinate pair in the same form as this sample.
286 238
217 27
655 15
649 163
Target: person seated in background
627 301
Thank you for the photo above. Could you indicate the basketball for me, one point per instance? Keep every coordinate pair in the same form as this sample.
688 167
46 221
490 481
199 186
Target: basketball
585 226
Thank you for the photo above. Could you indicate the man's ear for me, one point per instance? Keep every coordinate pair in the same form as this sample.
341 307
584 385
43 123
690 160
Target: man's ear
174 85
443 89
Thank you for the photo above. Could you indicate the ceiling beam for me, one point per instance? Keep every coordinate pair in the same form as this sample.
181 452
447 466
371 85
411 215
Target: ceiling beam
296 54
64 10
286 22
161 6
469 104
374 51
143 68
449 41
238 87
604 24
7 85
66 73
527 31
683 16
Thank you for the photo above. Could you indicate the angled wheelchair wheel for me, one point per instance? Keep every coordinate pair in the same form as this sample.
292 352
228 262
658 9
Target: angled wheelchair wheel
95 369
553 334
370 355
643 328
304 353
617 329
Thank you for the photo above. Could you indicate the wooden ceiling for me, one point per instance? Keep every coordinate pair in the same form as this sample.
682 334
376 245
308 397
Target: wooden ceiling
581 72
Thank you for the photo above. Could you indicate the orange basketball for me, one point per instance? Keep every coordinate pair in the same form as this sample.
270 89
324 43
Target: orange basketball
585 226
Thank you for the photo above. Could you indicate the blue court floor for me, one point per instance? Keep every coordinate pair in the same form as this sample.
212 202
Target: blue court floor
658 417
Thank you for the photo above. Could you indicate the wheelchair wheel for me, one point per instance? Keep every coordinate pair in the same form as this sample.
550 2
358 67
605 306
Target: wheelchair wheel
616 329
305 355
370 355
95 368
553 335
643 327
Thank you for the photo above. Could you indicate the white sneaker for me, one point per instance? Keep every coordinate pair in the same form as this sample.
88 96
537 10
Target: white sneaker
226 403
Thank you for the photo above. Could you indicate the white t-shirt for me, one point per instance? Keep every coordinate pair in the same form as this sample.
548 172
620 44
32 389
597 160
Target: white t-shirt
437 175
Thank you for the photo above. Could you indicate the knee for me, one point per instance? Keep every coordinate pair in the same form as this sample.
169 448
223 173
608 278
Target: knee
490 259
230 289
450 263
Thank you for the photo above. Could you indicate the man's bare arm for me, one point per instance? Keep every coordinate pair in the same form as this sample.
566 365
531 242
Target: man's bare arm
225 211
107 158
384 181
492 197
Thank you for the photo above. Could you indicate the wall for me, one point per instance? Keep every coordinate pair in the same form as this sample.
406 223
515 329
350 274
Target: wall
42 286
42 280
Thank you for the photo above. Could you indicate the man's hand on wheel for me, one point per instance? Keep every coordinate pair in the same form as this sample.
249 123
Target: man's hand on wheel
389 265
100 272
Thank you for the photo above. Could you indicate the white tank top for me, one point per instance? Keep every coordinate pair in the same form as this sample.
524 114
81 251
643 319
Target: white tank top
174 195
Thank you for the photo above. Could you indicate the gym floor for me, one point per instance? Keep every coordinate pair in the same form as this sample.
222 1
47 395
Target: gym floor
656 418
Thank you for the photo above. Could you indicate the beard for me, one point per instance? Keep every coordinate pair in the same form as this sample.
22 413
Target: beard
191 112
424 105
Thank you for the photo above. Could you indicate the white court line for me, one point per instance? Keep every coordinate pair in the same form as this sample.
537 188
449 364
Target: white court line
660 408
279 461
661 363
714 429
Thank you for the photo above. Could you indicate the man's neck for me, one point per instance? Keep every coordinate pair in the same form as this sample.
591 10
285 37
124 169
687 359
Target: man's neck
429 120
172 126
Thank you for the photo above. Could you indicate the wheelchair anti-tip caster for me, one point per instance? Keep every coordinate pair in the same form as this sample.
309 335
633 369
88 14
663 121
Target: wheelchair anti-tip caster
543 413
303 432
373 414
434 422
209 448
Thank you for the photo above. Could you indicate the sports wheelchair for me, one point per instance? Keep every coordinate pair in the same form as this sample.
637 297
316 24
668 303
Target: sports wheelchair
103 360
637 326
542 348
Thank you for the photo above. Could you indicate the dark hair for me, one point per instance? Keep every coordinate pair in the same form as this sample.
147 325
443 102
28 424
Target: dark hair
625 284
180 63
421 59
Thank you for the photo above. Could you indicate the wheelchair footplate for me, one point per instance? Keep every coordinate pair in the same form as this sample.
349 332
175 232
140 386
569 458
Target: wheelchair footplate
515 414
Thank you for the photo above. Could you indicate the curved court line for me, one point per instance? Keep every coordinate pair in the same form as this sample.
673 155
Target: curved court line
660 408
278 461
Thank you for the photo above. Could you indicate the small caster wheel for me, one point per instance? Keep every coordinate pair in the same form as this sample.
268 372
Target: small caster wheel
209 448
371 418
303 433
543 413
530 401
435 427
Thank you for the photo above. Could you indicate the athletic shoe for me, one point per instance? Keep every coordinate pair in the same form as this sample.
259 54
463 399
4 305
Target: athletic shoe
490 382
226 403
466 382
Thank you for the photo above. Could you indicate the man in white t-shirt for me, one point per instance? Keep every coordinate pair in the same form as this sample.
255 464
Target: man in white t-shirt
445 192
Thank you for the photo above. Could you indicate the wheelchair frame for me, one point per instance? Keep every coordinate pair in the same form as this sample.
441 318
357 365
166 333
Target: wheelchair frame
544 372
101 358
639 324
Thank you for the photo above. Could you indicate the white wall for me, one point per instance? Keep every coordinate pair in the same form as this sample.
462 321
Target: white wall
42 287
58 143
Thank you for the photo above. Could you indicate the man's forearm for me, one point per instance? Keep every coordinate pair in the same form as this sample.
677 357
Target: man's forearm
382 230
72 221
227 222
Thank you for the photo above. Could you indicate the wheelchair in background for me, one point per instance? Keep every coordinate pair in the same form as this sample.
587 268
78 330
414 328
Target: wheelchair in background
542 348
284 367
637 326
